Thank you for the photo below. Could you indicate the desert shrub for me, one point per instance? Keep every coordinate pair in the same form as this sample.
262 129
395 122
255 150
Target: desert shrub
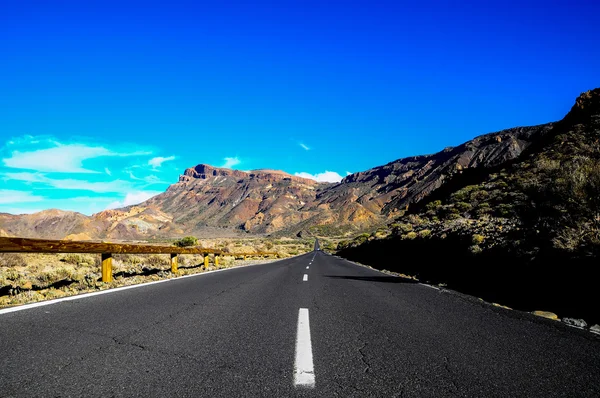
72 258
475 249
567 196
78 259
483 208
45 278
464 194
11 274
463 206
129 259
53 293
504 210
424 233
157 261
477 239
433 205
452 216
187 241
360 239
63 273
479 195
11 260
410 235
403 227
414 219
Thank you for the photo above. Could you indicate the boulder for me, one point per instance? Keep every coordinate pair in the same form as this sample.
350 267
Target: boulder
578 323
546 314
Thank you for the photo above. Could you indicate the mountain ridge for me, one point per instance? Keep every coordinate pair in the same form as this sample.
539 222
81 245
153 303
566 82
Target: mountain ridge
276 203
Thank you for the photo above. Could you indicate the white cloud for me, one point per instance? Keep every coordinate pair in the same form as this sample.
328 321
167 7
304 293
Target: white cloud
327 176
230 162
60 158
69 183
107 171
304 146
12 196
159 160
132 198
151 179
348 173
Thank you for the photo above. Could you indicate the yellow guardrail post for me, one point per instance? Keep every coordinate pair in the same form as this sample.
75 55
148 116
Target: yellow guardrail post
107 267
174 258
205 260
216 261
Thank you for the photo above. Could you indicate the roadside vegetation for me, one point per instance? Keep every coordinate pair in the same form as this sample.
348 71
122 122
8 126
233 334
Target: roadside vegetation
34 277
525 234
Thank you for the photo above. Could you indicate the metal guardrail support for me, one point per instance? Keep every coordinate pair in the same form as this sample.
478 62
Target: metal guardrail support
205 260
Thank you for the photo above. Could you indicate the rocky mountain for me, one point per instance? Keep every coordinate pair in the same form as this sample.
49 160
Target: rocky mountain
524 233
221 201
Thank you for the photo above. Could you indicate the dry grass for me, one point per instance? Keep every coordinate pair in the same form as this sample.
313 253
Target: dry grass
26 278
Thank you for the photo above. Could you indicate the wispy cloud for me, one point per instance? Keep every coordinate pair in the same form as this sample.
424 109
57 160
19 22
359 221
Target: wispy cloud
70 183
107 171
60 158
132 198
159 160
151 179
8 196
230 162
305 147
327 176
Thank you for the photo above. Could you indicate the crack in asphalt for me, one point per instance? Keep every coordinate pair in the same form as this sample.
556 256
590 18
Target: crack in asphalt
451 378
363 358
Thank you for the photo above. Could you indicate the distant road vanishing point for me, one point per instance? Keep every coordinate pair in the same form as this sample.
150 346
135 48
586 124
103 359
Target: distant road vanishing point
313 325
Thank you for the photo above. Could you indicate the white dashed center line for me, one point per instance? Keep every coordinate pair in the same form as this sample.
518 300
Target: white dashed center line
305 279
304 372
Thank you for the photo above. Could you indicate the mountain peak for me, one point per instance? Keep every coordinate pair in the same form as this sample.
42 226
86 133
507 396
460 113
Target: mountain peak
205 171
586 105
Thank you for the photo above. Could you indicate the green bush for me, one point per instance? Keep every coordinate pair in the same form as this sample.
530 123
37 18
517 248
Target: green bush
424 233
410 235
187 241
477 239
433 205
463 206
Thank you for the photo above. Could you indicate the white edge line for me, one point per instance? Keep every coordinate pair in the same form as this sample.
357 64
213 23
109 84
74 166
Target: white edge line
430 286
117 289
304 372
305 278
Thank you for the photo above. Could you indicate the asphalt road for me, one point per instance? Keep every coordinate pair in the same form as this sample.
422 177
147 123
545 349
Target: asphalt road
241 332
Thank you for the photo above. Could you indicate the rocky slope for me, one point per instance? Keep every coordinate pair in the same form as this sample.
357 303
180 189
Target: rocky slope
497 233
225 201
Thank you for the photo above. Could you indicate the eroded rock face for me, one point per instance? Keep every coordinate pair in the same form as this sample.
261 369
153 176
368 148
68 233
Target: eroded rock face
386 189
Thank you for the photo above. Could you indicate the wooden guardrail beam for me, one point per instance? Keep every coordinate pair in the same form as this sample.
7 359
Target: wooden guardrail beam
26 245
106 250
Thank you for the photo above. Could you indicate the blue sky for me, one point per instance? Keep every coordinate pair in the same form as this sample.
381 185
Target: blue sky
104 104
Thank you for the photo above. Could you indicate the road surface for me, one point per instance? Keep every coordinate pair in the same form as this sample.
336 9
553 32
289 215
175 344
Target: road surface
311 326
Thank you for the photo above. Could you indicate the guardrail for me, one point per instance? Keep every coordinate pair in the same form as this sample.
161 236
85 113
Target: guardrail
106 250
